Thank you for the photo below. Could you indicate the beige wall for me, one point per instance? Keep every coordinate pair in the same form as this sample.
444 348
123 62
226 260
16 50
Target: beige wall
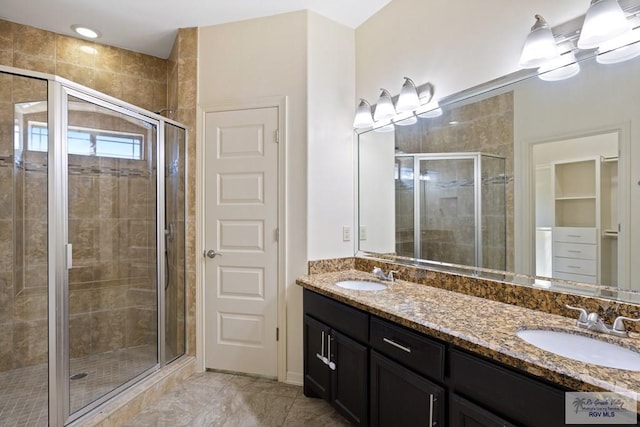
455 45
249 60
308 59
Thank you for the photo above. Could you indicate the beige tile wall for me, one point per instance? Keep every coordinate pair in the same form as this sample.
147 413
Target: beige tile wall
99 289
182 98
485 126
133 77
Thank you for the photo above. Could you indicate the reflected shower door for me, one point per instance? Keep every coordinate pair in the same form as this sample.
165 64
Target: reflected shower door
405 224
112 217
447 206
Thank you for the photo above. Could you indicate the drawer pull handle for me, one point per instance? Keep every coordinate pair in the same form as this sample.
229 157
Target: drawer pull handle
395 344
576 236
574 266
575 252
431 409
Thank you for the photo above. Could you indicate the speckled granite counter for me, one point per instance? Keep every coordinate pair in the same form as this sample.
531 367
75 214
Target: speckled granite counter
482 326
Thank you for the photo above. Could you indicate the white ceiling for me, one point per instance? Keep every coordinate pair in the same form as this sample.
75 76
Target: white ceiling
149 26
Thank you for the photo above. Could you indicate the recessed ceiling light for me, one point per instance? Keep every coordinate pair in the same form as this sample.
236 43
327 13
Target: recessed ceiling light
86 32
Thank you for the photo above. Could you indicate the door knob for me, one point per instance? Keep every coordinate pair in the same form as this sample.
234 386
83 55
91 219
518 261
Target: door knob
211 253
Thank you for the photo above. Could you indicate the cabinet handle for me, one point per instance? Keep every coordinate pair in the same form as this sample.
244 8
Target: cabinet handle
395 344
332 365
431 399
322 356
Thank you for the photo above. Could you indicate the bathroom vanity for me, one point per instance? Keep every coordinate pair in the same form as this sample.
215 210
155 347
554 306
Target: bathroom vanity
413 354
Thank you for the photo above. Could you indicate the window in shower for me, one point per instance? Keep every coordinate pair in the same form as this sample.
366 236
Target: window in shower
90 142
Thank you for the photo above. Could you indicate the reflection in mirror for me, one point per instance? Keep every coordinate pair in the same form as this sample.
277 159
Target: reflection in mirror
568 171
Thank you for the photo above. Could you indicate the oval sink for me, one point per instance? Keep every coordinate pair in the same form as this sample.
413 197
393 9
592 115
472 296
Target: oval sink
584 349
361 285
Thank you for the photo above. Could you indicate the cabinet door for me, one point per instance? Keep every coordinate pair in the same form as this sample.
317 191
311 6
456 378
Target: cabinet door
465 414
349 366
400 397
317 375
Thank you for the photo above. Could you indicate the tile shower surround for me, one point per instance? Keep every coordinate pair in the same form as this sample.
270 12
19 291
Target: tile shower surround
484 126
145 81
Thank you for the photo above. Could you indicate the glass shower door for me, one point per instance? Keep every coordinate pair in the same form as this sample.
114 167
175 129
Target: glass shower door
447 206
112 229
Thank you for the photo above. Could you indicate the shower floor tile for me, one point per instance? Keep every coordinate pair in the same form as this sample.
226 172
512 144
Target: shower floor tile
24 391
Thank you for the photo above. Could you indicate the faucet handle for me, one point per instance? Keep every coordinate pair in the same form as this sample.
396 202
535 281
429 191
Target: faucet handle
583 313
618 324
391 273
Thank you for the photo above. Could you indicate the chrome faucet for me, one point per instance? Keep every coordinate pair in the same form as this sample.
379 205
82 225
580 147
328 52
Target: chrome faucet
593 322
377 271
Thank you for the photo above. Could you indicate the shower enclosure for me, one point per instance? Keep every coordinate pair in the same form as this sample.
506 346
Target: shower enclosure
92 265
451 208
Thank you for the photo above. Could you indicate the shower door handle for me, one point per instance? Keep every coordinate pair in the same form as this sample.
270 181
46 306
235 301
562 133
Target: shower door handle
211 253
69 248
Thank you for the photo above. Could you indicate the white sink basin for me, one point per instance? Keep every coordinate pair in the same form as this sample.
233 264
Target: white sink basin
361 285
584 349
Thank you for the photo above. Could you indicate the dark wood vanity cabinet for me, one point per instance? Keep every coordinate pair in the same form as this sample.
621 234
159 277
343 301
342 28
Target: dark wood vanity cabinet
336 357
400 397
379 373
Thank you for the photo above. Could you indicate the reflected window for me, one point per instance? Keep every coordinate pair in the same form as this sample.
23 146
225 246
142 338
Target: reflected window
90 142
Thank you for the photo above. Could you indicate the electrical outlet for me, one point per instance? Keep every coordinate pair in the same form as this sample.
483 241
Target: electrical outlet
363 232
346 233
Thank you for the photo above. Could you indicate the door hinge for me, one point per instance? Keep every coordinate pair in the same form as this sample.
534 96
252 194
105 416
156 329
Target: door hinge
277 234
277 334
277 135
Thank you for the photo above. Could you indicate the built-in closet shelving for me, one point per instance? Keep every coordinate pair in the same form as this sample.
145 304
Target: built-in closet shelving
585 220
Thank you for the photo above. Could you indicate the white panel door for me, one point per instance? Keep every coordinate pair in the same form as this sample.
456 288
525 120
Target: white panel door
241 220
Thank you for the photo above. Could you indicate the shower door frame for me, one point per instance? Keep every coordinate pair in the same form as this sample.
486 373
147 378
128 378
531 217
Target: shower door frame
477 195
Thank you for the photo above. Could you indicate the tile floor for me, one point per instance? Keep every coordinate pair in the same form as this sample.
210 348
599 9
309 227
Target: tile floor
24 391
219 399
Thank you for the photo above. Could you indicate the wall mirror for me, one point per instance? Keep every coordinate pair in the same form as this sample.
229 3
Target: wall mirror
520 176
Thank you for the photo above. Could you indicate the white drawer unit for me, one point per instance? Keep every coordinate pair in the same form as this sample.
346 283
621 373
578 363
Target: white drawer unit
575 254
585 267
583 235
591 280
575 250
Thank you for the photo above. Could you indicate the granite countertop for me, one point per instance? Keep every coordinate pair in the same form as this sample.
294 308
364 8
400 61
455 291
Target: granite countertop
482 326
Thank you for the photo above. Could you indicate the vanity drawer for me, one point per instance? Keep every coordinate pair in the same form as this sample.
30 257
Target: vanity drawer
337 315
591 280
574 250
585 267
409 348
586 235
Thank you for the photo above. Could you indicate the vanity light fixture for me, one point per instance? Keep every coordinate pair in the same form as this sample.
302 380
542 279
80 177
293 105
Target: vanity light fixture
363 118
604 21
539 46
408 99
86 32
384 107
429 107
622 48
561 68
410 105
